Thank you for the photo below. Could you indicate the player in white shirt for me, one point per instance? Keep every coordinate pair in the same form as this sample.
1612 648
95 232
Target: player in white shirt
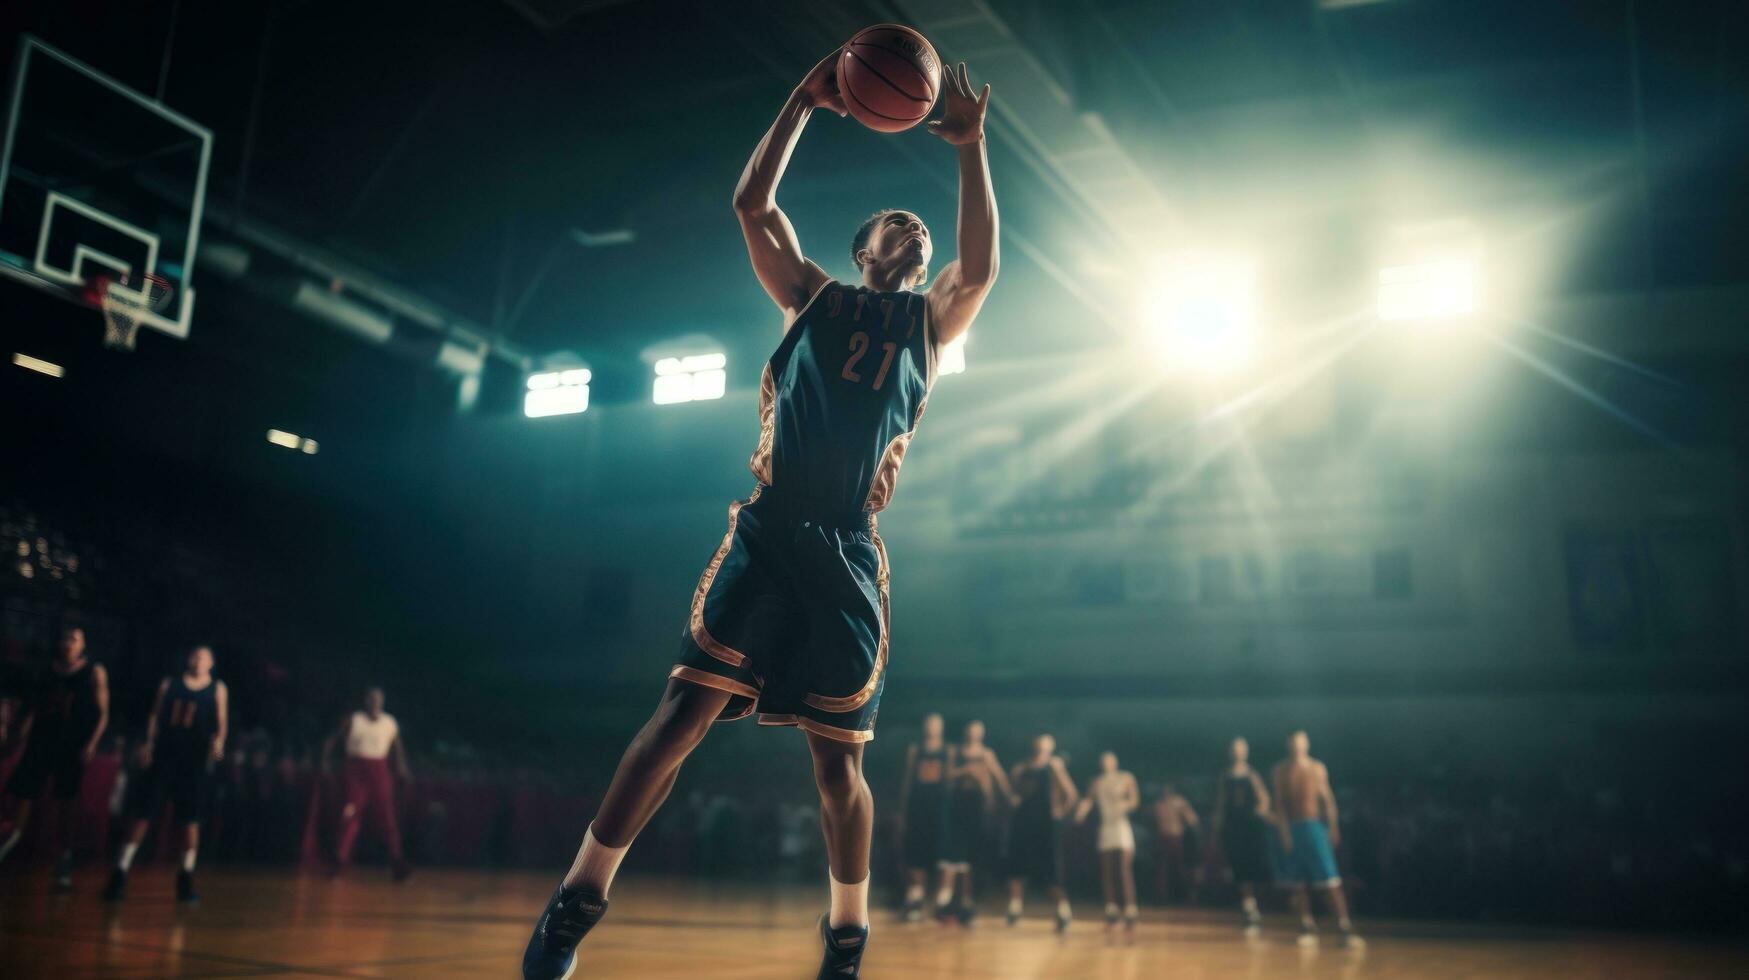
372 738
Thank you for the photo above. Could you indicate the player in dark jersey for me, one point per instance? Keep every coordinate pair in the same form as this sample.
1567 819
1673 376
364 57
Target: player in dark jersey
789 620
1241 822
64 720
1047 795
185 735
922 795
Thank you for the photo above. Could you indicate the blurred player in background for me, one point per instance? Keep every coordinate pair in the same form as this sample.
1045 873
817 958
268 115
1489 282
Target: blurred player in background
922 797
1174 819
976 783
64 719
372 738
1046 795
185 735
1306 835
1115 794
1242 825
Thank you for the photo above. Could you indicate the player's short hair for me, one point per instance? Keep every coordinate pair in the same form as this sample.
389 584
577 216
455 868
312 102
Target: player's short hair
863 233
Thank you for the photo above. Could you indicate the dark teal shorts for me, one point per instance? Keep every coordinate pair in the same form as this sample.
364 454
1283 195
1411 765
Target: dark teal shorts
790 617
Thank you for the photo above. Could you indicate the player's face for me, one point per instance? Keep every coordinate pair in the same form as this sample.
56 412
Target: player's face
901 242
1241 750
1108 761
1044 745
72 644
1298 744
932 727
200 660
373 701
975 732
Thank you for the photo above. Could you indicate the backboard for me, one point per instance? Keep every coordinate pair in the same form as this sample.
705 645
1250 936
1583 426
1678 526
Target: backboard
101 189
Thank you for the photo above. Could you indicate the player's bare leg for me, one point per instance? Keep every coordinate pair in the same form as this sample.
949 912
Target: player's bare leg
649 767
847 820
1339 905
643 780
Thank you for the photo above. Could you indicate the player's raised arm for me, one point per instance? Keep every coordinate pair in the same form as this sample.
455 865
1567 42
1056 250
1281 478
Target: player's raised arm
960 289
783 270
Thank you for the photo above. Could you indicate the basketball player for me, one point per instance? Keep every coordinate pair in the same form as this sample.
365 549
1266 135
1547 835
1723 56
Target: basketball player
1304 854
922 795
1047 795
975 777
64 719
1173 818
185 735
372 737
1115 794
790 617
1241 823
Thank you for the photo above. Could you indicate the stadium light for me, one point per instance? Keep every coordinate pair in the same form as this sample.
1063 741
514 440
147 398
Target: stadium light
291 440
694 378
39 365
1444 289
564 392
1200 312
953 357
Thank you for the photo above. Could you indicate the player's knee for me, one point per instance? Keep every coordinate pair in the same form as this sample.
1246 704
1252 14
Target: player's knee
839 776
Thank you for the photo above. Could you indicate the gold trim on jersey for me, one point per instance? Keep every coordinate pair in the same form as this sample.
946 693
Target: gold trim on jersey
760 461
700 635
886 478
860 698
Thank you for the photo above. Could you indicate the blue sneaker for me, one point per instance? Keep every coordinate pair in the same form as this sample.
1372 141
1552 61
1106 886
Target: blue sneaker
844 948
552 950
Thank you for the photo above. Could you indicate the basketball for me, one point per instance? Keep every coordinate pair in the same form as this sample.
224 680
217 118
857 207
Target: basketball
889 77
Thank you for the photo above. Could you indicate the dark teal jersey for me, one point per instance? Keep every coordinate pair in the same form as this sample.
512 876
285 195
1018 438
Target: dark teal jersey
842 395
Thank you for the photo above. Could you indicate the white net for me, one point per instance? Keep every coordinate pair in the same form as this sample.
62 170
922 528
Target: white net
124 306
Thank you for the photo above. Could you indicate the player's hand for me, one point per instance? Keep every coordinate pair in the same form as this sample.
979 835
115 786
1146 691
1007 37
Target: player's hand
218 750
821 85
962 110
88 754
1335 836
144 755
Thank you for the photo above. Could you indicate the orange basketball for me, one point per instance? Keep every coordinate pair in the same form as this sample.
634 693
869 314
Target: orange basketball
889 77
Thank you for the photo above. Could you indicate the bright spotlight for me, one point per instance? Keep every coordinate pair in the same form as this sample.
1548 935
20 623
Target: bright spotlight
1200 312
953 357
280 437
564 392
694 378
1441 289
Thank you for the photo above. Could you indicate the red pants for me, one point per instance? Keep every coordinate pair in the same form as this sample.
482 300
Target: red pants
369 789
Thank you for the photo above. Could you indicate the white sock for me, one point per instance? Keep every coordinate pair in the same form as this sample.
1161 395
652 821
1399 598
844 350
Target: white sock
1063 908
596 863
944 895
1130 911
849 903
126 860
913 894
1249 905
1014 906
188 860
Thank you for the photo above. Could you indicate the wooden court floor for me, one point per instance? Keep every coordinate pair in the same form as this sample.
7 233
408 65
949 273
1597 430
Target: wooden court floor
453 924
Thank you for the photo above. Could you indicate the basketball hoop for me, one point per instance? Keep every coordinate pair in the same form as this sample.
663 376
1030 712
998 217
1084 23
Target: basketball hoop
125 308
